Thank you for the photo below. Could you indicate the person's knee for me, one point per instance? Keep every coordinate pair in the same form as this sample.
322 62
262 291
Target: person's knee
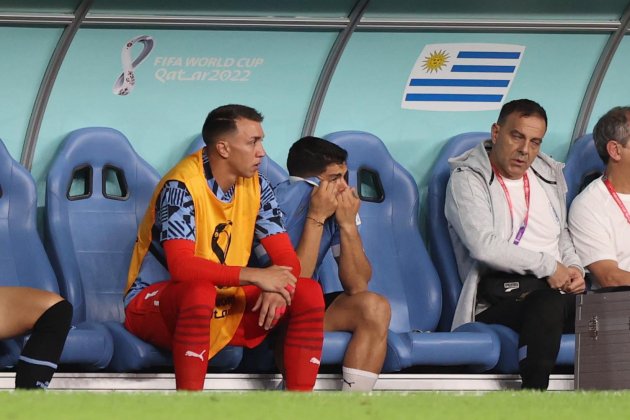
547 305
546 298
197 293
375 311
41 301
50 299
65 311
56 318
309 292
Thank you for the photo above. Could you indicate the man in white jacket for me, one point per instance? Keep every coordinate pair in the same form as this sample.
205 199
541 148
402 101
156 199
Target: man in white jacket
505 204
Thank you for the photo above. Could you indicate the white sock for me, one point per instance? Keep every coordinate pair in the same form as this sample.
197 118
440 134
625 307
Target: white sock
358 380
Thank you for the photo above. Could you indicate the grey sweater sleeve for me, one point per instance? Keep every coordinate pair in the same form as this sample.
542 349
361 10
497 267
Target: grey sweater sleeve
469 210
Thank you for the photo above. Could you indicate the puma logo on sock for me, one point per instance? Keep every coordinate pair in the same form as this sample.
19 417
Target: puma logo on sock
314 360
150 295
348 382
190 353
43 385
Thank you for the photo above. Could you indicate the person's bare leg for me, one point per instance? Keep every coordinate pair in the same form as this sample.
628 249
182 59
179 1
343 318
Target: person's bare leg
47 317
21 307
366 315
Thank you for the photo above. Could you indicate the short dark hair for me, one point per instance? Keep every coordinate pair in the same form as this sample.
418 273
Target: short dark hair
524 107
309 156
613 125
222 120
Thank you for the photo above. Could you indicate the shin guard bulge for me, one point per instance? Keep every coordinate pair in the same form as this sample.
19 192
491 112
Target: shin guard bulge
187 309
304 337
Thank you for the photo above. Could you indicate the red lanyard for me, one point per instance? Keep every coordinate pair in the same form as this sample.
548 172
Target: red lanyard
521 229
615 197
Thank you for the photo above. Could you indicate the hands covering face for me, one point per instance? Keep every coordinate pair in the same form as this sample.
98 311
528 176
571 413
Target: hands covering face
323 201
329 199
347 207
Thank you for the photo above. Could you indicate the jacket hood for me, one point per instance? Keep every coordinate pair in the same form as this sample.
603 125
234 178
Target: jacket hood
477 160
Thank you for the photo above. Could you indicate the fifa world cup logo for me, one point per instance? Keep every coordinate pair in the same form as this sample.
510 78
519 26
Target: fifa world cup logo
221 239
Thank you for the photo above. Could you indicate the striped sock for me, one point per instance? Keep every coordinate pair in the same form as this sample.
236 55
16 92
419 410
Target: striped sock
39 358
305 336
191 343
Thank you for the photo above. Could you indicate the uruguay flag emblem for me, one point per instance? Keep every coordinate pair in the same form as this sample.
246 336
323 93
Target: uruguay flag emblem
462 77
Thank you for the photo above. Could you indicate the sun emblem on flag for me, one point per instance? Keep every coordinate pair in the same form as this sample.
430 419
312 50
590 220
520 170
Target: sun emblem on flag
435 61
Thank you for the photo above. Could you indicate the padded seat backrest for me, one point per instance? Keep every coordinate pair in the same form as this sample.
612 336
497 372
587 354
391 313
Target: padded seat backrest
97 192
440 245
23 261
583 165
274 173
401 268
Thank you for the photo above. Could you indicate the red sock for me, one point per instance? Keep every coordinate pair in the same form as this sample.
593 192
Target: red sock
187 309
305 336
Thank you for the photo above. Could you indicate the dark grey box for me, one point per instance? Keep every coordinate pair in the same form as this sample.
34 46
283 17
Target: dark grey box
602 341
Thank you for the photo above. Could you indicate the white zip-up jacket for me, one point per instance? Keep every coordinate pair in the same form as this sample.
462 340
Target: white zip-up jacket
476 210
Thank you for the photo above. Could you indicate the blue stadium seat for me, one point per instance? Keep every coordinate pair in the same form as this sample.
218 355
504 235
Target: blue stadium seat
97 192
10 352
442 253
582 166
402 270
440 246
23 262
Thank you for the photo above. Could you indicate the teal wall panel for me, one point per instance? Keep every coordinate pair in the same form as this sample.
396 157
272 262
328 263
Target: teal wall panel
366 91
39 6
311 8
25 55
615 90
274 72
498 9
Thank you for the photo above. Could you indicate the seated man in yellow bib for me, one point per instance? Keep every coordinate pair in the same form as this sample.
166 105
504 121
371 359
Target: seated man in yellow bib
200 226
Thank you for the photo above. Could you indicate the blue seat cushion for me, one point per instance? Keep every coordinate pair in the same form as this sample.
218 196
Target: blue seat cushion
134 354
89 345
9 352
508 360
472 345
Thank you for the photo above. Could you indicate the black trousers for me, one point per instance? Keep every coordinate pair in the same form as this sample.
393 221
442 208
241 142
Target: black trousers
540 319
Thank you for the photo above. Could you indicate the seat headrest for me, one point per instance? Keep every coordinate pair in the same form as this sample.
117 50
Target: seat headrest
583 165
104 151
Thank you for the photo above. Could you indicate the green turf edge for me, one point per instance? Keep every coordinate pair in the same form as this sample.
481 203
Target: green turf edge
319 406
